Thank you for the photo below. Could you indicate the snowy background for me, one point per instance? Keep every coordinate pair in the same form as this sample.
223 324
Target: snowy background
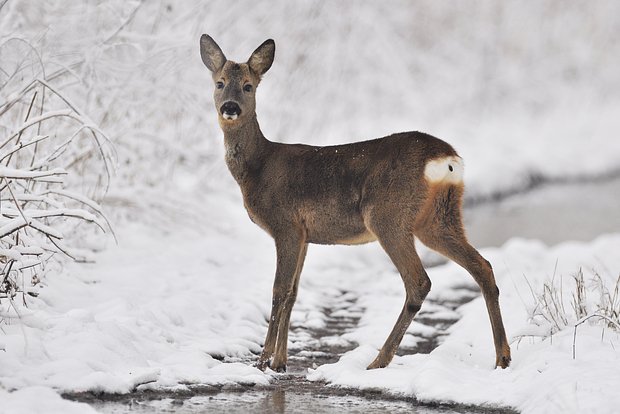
527 93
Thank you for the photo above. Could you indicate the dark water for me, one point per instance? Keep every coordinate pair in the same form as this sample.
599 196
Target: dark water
270 402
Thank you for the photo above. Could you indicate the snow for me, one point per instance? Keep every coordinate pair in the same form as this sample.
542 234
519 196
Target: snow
522 93
38 399
12 173
543 376
157 310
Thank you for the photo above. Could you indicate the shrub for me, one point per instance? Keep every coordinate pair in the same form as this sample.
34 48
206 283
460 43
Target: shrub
54 163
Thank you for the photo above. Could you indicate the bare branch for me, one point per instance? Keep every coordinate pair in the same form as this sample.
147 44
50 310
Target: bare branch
19 137
584 319
34 121
125 23
22 145
15 174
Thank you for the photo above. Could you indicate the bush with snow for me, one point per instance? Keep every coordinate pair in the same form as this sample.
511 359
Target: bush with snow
54 163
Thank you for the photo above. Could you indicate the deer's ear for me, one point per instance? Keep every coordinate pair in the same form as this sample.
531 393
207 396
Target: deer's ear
262 57
211 54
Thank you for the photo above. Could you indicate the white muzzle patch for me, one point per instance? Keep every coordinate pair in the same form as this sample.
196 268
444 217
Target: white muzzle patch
444 170
229 117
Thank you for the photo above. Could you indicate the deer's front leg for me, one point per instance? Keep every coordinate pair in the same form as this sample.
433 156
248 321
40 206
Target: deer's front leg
291 250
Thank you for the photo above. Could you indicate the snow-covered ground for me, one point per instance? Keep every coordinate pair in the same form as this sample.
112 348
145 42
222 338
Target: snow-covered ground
154 311
543 377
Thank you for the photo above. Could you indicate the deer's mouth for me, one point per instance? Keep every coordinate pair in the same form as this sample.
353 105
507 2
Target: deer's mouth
229 117
230 111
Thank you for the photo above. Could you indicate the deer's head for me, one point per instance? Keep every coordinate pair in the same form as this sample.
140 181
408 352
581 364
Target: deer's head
235 83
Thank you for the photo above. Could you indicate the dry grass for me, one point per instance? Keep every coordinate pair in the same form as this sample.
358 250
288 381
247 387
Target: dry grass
591 299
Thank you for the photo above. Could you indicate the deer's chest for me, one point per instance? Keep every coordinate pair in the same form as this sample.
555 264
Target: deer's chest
259 212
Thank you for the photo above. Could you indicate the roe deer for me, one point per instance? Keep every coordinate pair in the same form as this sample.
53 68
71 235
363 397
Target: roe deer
389 189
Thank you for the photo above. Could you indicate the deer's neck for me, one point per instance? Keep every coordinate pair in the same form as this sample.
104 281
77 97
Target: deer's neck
246 148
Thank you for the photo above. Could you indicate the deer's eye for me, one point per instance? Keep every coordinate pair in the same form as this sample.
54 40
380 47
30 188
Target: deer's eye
219 85
247 88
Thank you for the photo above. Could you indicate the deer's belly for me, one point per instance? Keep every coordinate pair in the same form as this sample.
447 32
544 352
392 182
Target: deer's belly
361 238
339 228
326 222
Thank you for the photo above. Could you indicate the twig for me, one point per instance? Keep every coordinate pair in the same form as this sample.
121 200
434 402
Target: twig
125 23
25 56
90 203
37 120
22 145
19 208
585 318
19 137
6 273
15 174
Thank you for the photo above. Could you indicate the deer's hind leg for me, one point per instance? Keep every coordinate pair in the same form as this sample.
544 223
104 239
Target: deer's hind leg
441 229
396 238
291 248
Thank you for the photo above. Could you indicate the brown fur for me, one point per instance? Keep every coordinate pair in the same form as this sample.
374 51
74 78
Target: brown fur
344 194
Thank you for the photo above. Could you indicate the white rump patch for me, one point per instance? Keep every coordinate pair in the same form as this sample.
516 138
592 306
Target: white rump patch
446 169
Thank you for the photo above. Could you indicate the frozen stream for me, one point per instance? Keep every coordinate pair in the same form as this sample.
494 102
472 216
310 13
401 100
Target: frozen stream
551 213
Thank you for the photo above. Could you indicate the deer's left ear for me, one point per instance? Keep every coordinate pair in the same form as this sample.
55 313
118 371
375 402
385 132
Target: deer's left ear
262 57
211 54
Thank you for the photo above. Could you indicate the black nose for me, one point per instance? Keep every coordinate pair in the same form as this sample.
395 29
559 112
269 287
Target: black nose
230 108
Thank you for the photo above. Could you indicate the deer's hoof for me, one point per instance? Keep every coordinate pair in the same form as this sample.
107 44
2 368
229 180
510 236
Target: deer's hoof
377 363
503 361
278 367
262 364
281 368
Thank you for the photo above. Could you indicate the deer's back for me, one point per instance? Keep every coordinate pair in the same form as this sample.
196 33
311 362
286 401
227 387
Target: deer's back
325 190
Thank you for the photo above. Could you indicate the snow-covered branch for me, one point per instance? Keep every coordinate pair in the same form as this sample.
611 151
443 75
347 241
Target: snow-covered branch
44 175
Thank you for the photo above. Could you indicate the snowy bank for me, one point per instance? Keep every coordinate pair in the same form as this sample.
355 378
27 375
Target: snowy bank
39 399
543 376
169 311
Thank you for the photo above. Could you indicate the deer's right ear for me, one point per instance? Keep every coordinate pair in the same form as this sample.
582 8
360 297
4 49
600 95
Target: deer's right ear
262 57
212 55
